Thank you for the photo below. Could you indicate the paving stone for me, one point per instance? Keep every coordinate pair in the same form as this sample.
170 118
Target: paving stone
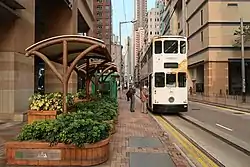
150 160
144 142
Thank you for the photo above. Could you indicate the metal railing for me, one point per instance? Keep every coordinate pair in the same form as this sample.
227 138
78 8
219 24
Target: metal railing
226 100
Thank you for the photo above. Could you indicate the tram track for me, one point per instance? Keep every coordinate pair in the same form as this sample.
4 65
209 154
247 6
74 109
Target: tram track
196 154
200 146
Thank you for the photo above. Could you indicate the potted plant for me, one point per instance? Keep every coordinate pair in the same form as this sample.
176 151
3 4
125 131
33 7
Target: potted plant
78 141
47 106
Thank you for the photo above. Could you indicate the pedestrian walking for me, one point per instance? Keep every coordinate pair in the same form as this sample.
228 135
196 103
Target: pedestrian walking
144 98
128 94
132 99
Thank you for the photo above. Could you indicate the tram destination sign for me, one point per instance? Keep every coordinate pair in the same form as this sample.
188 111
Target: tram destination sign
171 65
38 154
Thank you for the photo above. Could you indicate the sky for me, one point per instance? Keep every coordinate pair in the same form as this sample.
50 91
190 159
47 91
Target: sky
123 10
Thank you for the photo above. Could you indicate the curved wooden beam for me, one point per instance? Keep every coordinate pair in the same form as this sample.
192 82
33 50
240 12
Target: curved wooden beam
78 58
108 75
46 60
112 66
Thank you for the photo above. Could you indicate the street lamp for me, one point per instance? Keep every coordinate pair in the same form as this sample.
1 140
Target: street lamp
120 34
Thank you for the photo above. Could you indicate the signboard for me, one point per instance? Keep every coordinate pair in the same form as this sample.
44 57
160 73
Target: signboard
171 65
38 154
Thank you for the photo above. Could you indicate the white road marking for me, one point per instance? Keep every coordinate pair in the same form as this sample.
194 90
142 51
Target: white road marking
224 127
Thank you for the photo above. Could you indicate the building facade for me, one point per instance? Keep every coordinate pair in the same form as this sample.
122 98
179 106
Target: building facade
27 22
139 42
214 62
140 13
102 10
116 49
152 27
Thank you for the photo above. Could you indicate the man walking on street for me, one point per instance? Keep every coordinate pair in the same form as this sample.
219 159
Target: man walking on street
143 100
132 99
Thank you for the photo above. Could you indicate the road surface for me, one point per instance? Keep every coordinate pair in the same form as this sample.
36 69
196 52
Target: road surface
232 122
224 153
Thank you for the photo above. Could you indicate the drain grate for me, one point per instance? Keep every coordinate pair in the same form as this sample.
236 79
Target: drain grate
196 109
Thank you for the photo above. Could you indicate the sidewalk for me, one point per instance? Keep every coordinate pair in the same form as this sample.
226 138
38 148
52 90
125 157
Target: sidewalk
231 102
8 131
138 141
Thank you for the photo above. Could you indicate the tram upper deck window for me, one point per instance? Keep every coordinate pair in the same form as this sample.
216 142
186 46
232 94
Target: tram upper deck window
183 47
171 46
158 47
182 79
171 80
160 79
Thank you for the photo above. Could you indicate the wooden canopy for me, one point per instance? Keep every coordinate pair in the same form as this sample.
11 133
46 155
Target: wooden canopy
70 51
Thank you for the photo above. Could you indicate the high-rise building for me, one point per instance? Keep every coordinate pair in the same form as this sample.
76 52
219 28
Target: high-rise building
138 28
140 13
165 13
214 62
102 10
139 38
152 27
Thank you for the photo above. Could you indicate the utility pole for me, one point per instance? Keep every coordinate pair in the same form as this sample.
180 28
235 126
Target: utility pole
121 65
243 62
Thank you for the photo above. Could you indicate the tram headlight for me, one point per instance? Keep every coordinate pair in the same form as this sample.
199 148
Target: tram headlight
171 99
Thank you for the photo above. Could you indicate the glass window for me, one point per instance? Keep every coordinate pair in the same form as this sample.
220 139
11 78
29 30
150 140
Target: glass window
183 47
182 79
170 46
171 80
158 47
160 79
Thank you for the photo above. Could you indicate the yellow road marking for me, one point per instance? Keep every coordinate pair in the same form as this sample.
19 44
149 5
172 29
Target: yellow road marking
192 150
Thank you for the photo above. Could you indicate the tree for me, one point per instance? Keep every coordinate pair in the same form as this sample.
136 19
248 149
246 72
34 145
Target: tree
237 33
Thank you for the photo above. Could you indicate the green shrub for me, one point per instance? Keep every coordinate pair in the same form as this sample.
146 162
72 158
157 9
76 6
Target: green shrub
67 128
98 110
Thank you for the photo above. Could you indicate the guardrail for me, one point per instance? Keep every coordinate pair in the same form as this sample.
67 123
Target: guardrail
226 100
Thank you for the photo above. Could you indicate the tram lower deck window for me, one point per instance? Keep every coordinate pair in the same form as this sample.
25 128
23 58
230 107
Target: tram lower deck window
182 79
171 80
160 79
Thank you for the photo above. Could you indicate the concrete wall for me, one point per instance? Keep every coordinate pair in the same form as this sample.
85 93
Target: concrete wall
16 70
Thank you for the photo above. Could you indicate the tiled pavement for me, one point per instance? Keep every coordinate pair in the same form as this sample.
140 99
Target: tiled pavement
130 124
139 125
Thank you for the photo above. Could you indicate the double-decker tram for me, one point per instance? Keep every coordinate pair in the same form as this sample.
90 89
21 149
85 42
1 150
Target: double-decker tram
164 72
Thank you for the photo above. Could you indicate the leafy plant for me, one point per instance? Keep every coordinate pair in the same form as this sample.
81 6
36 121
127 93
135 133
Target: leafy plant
237 33
102 110
67 128
81 94
49 101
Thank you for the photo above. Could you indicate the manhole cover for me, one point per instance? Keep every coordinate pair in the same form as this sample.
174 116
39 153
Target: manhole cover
150 160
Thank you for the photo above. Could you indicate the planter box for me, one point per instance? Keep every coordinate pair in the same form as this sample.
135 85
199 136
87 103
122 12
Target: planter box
41 154
34 115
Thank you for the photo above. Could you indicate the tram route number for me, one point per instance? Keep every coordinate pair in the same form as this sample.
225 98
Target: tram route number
38 154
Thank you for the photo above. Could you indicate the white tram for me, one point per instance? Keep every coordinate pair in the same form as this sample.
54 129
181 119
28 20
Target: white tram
164 72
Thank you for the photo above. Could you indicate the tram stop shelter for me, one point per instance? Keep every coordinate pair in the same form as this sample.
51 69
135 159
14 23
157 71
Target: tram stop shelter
102 75
71 51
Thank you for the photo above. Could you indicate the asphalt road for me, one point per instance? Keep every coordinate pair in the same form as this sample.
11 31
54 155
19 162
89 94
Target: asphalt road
232 122
224 153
